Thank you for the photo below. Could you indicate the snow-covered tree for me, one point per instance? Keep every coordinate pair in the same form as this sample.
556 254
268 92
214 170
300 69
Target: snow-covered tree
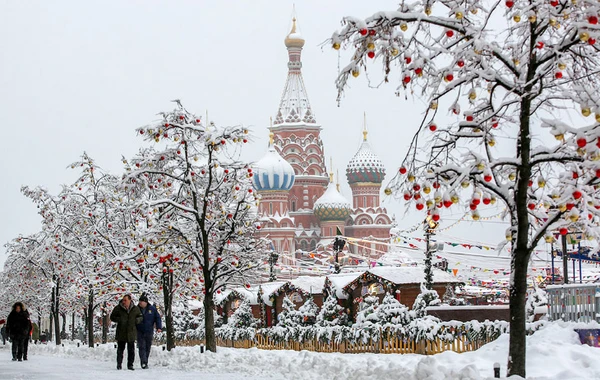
308 312
195 186
289 316
368 324
331 313
424 299
516 71
537 297
392 312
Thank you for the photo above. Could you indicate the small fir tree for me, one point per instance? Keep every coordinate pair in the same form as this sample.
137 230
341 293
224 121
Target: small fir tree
289 316
308 312
536 298
392 312
242 317
424 299
331 314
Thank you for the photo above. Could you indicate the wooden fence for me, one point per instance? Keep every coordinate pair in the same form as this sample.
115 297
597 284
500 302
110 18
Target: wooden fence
386 345
577 302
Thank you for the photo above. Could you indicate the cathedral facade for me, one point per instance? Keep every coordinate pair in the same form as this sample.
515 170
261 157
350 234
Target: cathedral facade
301 207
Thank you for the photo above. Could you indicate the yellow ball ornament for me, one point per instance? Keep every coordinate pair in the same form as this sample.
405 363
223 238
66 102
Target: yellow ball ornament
585 111
561 66
371 46
336 45
403 27
517 18
459 15
388 191
355 73
394 52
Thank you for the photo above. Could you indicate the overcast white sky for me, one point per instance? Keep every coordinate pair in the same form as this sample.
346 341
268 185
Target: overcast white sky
82 75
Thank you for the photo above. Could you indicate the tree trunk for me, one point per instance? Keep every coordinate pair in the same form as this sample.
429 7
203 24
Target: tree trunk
518 334
104 324
49 335
90 319
520 254
209 323
73 326
63 329
167 285
55 307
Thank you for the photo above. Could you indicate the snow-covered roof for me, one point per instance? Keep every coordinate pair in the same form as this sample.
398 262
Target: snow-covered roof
310 284
340 281
272 172
195 304
248 294
411 275
269 288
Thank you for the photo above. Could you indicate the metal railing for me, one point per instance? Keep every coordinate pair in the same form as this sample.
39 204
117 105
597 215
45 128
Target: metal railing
574 303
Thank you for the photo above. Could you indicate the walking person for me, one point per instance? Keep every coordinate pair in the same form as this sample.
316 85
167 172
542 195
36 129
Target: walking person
127 316
3 331
17 328
28 338
145 330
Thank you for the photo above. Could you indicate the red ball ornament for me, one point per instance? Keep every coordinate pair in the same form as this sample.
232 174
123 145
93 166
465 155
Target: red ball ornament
407 196
460 63
449 33
435 217
407 60
402 170
563 231
420 206
597 173
197 120
447 203
575 175
581 142
432 127
223 141
487 178
558 75
372 32
470 118
540 45
510 3
416 187
554 3
406 79
449 77
371 54
577 194
486 201
570 206
531 206
363 32
141 132
592 41
181 117
418 71
593 20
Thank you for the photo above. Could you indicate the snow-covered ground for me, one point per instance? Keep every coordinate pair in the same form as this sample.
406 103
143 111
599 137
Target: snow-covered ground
553 353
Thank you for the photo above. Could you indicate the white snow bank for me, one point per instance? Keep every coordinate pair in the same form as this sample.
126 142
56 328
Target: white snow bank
554 352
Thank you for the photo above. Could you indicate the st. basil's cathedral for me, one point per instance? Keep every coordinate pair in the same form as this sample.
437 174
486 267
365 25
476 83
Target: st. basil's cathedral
301 207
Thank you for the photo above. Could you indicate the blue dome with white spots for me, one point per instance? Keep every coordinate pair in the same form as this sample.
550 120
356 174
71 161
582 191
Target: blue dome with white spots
273 173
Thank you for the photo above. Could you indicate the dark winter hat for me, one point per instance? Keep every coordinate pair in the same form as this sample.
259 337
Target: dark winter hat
144 298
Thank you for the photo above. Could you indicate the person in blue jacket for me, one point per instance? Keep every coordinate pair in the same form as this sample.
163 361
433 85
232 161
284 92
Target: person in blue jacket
145 330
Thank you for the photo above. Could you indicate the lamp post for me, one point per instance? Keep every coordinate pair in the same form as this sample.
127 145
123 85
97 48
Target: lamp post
429 226
338 246
272 261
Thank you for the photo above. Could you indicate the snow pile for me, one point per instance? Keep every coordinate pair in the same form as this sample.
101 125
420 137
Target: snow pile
554 353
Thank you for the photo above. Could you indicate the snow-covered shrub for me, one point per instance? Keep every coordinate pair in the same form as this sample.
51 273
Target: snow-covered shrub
424 299
536 298
367 323
308 312
331 314
241 325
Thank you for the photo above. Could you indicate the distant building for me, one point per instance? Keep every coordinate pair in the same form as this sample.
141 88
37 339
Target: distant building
301 207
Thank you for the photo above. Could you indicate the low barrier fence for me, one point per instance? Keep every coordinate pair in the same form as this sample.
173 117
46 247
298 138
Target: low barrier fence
387 344
574 303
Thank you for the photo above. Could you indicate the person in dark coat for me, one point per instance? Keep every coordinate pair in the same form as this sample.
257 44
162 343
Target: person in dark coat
145 330
127 316
26 341
17 328
3 332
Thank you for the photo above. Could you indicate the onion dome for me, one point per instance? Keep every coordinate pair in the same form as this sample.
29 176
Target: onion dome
272 172
294 38
332 205
365 166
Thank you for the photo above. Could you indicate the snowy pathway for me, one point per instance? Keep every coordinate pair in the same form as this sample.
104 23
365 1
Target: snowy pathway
42 366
